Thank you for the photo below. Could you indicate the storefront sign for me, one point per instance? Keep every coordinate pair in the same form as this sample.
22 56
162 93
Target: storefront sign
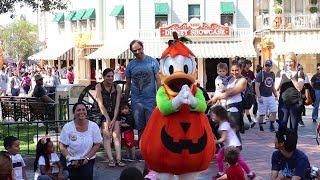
196 29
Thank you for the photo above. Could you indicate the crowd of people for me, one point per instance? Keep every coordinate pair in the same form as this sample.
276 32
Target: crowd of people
237 92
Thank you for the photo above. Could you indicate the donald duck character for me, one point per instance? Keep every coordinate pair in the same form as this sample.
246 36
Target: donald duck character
178 139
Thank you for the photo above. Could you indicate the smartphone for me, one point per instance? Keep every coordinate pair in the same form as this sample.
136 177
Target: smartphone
285 68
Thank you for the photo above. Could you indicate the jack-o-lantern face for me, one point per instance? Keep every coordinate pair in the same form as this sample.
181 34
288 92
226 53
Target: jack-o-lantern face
180 143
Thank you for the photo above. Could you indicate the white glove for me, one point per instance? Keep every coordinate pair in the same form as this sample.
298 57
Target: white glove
192 101
182 97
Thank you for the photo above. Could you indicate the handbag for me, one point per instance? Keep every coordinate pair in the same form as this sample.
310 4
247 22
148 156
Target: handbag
307 97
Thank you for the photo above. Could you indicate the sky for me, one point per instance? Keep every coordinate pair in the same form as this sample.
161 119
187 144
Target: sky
26 11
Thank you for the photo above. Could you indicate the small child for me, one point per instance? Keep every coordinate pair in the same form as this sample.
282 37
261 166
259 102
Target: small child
47 163
127 124
228 138
234 171
12 145
6 169
221 81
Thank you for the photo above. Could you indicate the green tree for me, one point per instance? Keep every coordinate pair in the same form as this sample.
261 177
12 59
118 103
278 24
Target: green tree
42 5
19 38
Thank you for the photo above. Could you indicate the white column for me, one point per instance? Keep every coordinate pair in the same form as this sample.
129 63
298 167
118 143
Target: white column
201 71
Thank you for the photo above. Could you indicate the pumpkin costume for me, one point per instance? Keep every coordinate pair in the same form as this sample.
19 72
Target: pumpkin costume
178 138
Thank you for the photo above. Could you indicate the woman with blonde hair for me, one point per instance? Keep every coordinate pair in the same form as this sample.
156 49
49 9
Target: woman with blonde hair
290 101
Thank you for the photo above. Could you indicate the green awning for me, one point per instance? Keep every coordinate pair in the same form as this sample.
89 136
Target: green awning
227 8
90 14
161 8
117 11
79 14
70 16
59 17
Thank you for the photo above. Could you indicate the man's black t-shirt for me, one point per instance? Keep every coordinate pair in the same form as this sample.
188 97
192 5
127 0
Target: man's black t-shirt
39 91
315 80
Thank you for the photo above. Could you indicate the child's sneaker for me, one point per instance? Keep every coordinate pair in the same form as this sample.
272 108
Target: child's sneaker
251 175
217 176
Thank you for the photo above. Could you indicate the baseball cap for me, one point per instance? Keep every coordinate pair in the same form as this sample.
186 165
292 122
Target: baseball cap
268 63
37 77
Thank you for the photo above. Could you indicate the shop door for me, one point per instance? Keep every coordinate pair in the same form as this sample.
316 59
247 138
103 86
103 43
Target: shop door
211 71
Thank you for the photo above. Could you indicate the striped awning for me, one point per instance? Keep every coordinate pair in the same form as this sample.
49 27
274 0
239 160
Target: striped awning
298 47
55 53
107 52
220 49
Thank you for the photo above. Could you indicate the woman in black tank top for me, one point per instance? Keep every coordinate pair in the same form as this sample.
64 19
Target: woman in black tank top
108 98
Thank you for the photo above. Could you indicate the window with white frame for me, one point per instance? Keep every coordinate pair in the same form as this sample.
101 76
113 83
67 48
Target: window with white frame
73 26
227 19
161 21
120 22
264 6
92 24
83 25
61 27
193 11
287 6
299 6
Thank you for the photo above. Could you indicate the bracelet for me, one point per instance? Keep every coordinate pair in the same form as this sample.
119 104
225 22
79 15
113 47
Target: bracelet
87 158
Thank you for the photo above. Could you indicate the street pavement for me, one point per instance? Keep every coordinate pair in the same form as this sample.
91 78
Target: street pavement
257 150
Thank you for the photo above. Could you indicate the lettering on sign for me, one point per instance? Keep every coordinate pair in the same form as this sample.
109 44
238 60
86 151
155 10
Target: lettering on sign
196 29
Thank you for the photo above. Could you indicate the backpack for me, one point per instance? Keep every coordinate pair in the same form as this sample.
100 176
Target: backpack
248 97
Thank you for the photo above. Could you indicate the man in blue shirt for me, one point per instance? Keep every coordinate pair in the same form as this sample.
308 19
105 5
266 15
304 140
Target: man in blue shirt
142 79
289 162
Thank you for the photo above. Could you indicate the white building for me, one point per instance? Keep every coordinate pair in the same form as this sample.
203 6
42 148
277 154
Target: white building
117 22
294 26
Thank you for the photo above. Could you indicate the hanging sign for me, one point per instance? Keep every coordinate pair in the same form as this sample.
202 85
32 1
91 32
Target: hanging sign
196 29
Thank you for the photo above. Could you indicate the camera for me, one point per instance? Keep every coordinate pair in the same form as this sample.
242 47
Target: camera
314 172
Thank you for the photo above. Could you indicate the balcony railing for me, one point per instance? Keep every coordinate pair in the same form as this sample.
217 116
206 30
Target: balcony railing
288 21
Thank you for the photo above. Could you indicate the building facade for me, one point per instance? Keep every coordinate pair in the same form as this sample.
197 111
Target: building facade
293 26
220 30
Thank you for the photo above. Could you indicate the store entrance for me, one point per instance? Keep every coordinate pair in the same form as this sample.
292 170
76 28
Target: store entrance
211 71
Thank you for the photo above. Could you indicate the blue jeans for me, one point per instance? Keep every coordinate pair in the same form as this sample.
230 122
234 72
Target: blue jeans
316 105
141 114
293 112
84 172
15 92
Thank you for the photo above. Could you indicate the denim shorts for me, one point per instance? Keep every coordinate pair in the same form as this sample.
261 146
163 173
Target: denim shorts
141 113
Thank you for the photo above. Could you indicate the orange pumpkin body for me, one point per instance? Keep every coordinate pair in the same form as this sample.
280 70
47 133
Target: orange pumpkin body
178 143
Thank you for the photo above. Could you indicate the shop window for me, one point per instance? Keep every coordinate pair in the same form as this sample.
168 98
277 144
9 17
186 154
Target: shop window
83 25
264 6
227 19
193 11
120 22
287 6
299 6
74 26
161 21
92 24
61 27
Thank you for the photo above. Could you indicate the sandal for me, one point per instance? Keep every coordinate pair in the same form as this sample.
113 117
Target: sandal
120 163
111 163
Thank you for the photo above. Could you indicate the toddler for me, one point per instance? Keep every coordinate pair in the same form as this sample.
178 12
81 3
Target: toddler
127 124
221 81
234 171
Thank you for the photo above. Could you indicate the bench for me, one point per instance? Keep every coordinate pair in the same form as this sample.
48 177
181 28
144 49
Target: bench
26 108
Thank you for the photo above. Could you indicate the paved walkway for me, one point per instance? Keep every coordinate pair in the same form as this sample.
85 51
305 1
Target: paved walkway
257 150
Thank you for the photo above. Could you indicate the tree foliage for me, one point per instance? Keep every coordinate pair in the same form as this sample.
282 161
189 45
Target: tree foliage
19 38
42 5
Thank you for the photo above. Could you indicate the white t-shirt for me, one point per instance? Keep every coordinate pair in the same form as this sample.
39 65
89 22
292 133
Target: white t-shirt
232 139
53 163
80 143
17 164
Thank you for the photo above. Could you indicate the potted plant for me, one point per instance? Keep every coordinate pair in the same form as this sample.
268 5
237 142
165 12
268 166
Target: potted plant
277 9
313 9
279 2
313 2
